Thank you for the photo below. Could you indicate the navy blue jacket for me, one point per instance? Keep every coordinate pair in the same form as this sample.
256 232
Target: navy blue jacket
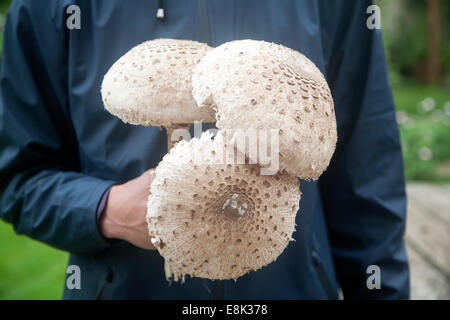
60 150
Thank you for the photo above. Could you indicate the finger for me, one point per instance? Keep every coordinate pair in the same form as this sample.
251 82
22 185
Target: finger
147 245
147 177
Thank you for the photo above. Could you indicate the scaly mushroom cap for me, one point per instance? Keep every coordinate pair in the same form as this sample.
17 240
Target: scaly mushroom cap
259 85
151 84
214 220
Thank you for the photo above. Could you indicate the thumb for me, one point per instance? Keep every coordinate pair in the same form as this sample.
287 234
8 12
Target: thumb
147 177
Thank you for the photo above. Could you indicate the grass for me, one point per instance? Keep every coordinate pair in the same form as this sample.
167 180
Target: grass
29 269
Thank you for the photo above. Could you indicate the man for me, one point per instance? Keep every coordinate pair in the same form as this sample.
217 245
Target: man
61 151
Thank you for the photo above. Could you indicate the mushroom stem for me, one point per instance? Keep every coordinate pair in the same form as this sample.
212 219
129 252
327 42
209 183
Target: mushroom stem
171 130
170 143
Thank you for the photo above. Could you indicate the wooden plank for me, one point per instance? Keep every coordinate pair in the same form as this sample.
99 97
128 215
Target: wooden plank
445 187
427 239
427 283
432 198
441 191
431 237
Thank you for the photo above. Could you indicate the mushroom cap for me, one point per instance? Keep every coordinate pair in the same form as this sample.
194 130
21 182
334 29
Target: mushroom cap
260 85
214 220
151 84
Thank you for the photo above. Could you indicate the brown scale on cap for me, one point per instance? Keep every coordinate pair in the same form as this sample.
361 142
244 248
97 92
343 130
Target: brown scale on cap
221 226
151 85
274 88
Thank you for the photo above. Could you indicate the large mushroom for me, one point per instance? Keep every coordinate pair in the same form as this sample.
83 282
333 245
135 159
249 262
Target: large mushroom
216 220
151 85
261 86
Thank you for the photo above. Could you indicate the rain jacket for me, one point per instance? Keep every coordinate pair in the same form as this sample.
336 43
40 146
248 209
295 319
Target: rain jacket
60 150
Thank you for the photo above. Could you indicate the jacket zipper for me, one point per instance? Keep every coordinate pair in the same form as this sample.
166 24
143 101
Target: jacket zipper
203 21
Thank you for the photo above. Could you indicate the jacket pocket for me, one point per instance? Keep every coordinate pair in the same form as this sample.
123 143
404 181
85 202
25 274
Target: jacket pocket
107 285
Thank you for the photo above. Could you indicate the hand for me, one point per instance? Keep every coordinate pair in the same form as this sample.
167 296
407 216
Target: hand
125 212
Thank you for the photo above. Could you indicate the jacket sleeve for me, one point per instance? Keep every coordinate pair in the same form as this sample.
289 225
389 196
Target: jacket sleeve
42 192
363 189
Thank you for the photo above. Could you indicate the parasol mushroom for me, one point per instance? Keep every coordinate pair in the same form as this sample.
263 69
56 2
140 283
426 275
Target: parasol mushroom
215 220
151 85
256 85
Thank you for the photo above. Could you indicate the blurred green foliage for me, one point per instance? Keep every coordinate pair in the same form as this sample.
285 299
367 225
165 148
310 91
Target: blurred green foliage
404 29
4 4
423 114
423 111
